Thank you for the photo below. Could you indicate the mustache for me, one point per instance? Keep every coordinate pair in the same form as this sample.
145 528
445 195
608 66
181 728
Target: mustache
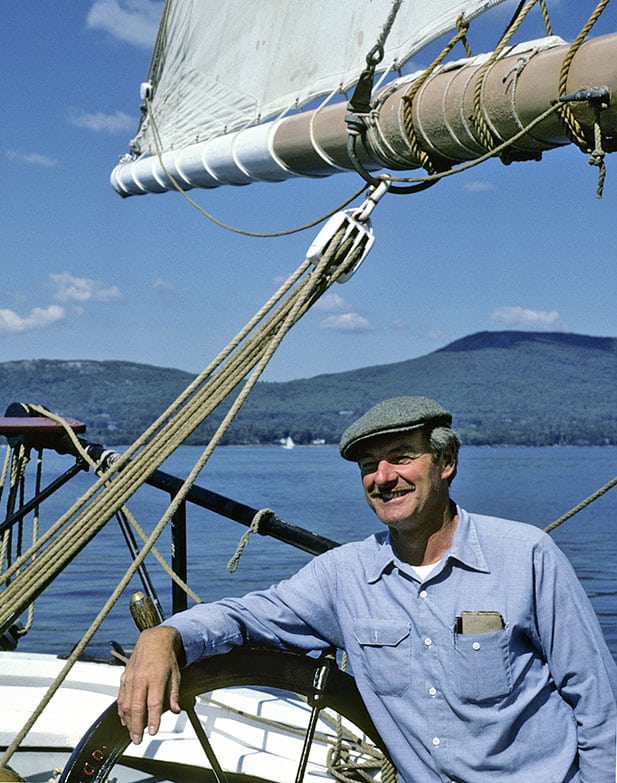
380 493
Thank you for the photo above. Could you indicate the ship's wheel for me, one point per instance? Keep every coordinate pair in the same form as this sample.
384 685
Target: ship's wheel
256 716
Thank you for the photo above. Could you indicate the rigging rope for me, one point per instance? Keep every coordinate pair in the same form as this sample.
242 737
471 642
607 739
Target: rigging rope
264 513
484 133
203 396
247 355
573 127
227 226
583 504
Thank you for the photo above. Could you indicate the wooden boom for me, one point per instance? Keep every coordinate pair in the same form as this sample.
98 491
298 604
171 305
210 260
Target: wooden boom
443 123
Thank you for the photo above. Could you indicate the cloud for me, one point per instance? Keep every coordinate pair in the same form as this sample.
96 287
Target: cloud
99 122
331 303
81 289
39 318
478 186
167 287
527 319
31 158
133 21
347 322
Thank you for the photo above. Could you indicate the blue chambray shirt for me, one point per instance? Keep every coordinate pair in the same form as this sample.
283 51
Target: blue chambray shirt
532 703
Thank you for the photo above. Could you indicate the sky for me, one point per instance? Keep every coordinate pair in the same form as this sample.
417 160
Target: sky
89 275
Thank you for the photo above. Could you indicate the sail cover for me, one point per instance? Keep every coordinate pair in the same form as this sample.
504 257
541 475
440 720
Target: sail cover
220 67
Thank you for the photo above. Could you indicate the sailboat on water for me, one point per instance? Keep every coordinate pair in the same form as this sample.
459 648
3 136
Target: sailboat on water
264 92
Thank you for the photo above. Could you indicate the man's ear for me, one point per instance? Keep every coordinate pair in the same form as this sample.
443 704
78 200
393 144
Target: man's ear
448 458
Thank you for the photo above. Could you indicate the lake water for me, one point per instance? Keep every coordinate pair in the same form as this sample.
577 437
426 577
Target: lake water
314 488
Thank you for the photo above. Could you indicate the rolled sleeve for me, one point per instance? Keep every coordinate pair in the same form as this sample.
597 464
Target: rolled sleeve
297 613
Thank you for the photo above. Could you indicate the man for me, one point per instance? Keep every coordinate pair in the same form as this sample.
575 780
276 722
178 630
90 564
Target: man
473 644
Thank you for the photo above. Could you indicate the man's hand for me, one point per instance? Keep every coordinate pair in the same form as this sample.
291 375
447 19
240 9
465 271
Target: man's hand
151 682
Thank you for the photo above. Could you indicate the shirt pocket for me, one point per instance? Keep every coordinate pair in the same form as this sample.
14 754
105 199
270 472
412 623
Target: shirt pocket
385 654
481 666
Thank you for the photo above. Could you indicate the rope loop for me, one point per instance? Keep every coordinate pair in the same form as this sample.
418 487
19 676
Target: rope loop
427 163
264 513
572 126
598 153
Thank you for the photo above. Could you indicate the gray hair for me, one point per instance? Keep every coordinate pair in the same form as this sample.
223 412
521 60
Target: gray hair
439 439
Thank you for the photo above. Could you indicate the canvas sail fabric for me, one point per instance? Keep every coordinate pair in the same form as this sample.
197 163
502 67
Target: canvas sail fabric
219 67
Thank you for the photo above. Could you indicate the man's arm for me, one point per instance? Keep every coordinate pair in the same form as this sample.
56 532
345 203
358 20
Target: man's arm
151 682
296 613
579 660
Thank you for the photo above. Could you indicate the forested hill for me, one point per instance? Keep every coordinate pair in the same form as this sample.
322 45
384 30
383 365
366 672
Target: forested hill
529 388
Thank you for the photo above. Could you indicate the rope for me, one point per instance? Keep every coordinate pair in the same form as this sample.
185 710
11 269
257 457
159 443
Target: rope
573 127
483 158
408 99
17 460
227 226
486 136
124 510
597 154
583 504
161 438
232 565
21 631
156 444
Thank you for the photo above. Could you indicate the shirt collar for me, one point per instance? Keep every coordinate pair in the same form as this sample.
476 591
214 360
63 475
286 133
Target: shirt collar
466 548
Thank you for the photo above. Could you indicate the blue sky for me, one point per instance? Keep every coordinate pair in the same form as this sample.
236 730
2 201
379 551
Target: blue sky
88 275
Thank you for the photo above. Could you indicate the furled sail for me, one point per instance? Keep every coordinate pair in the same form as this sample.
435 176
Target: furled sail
219 67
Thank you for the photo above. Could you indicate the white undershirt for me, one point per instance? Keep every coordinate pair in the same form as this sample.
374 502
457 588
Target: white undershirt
424 570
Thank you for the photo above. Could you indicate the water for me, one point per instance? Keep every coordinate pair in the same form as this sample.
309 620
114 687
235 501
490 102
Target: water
312 487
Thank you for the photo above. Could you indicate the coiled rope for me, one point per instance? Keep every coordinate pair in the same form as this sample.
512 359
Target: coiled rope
484 134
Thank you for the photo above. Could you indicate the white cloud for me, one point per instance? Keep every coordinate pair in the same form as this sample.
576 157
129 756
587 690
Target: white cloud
346 322
31 158
331 303
99 122
39 318
81 289
478 186
166 286
133 21
526 318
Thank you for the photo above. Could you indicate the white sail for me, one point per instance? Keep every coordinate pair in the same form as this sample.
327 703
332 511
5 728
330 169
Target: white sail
219 67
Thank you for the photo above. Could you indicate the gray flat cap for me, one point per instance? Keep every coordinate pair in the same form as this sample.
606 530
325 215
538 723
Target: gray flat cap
398 414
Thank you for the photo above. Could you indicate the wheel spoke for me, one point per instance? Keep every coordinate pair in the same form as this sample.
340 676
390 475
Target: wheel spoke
219 774
308 741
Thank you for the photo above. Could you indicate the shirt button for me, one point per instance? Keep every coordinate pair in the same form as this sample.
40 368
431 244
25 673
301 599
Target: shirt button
476 645
428 641
423 594
432 691
436 741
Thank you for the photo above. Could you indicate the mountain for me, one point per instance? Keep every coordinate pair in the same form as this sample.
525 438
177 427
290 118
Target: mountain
528 388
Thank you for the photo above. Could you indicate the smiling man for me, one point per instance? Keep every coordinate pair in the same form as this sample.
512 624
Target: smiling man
472 642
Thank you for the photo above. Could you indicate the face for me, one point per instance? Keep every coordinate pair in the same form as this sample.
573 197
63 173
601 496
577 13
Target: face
403 483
